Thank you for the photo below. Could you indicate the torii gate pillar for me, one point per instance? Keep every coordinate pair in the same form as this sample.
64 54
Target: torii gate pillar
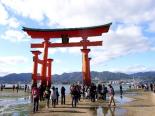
86 67
35 67
49 77
44 66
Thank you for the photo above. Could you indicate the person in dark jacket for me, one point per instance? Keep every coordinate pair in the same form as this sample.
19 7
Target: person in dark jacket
105 91
57 95
121 90
63 95
74 94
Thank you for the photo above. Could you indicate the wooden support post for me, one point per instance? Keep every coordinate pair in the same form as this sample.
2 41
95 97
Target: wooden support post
86 67
35 66
89 72
49 76
44 65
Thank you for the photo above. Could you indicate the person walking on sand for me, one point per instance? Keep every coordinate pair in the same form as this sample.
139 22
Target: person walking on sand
47 94
17 87
111 95
35 96
105 91
151 86
53 96
25 88
121 90
154 87
13 88
74 94
57 94
63 95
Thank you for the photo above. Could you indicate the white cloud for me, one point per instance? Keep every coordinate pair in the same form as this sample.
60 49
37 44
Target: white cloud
124 40
133 69
13 23
75 50
4 72
3 14
53 50
12 60
151 27
26 8
84 12
8 64
50 50
57 61
15 36
6 20
62 50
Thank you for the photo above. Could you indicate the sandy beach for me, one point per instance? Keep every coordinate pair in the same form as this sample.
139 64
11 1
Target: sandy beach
142 104
9 93
133 103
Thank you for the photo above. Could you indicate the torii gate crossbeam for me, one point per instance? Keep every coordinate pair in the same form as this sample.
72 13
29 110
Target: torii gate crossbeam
74 44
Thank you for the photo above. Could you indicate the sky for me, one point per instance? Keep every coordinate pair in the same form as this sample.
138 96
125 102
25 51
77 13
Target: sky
128 47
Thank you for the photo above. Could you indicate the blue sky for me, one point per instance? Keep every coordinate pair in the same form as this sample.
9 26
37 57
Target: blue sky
128 47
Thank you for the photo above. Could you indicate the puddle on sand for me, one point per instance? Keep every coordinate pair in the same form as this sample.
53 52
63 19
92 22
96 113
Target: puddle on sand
108 111
112 111
123 100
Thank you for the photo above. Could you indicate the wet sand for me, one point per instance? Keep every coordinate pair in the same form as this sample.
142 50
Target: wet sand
142 104
9 93
84 108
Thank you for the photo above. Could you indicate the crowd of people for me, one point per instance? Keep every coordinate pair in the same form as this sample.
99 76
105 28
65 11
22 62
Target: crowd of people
147 86
91 92
16 87
77 91
2 86
39 94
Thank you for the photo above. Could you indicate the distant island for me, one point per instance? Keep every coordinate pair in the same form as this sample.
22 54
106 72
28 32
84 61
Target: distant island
77 76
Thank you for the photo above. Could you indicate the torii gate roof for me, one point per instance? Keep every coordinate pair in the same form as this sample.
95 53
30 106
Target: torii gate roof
70 32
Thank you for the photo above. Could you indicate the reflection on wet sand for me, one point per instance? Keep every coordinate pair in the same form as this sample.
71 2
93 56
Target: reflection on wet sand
108 111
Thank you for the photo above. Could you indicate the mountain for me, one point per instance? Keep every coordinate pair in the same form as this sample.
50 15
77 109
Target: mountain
14 78
144 75
106 75
68 77
77 76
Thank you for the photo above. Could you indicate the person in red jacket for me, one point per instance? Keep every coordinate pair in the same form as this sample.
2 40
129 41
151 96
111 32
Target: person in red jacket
35 97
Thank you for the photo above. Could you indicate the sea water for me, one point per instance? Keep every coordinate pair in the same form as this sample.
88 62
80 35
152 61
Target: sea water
14 106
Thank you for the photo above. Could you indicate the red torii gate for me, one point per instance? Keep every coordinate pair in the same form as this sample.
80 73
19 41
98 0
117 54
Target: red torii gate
65 34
